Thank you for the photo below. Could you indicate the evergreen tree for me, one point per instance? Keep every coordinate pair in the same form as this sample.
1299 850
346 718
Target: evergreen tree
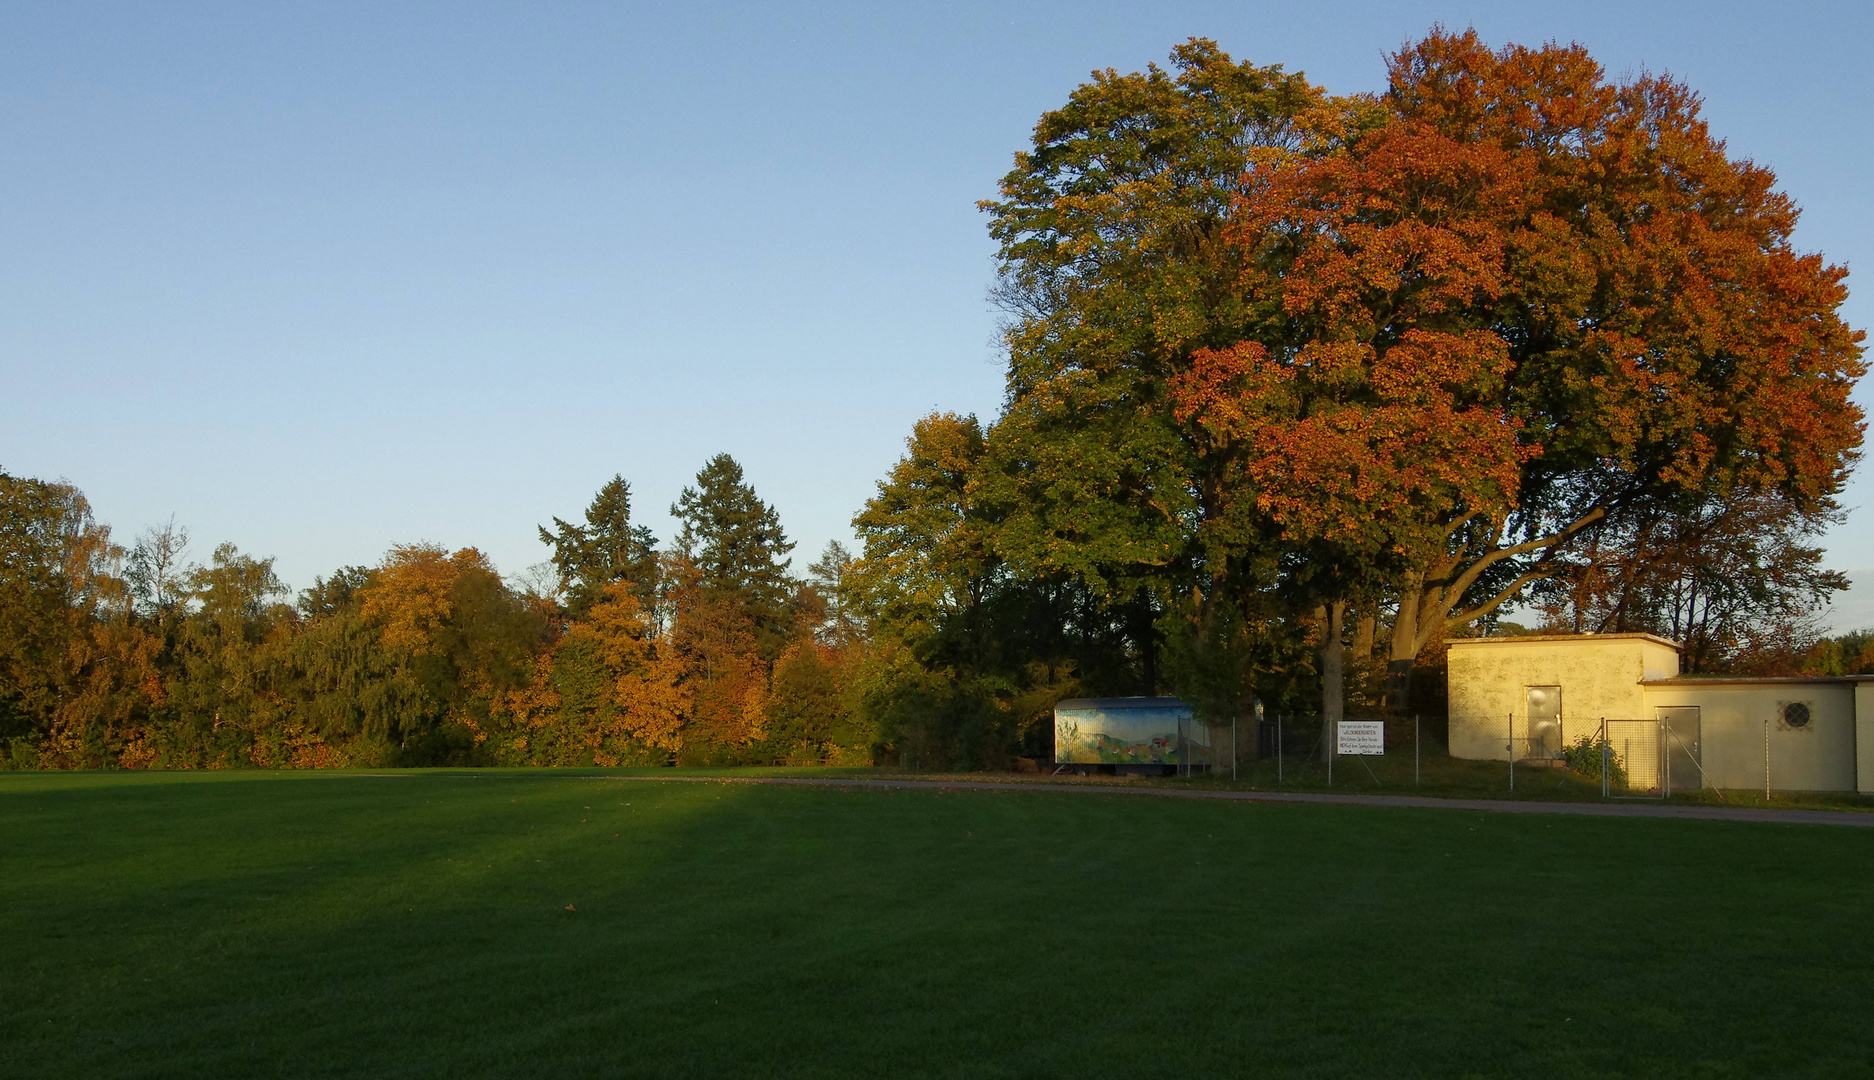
605 549
739 551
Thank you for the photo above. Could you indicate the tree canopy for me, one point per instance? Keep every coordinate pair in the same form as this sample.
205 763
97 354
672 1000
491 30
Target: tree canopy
1422 345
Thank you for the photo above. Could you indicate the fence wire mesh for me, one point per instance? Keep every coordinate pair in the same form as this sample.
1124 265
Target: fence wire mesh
1623 757
1635 756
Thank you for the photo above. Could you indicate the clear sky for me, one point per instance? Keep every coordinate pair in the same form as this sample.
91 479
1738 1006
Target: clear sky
322 279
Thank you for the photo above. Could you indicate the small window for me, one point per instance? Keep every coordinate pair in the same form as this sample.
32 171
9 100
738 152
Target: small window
1796 714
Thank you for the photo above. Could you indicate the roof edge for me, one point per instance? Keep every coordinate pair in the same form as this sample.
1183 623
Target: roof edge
1755 680
1507 639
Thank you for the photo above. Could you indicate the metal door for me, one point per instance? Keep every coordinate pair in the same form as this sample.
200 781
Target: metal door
1681 723
1545 722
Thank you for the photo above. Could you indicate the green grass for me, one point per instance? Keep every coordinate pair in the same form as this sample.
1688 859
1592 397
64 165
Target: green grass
418 924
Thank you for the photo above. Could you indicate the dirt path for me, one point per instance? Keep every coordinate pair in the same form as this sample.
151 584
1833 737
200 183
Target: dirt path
1641 810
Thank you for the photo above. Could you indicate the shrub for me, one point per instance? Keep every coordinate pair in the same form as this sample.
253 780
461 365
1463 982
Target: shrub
1584 757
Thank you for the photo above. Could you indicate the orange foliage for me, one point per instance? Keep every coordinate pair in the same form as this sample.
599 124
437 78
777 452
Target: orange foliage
646 687
411 595
1528 277
644 704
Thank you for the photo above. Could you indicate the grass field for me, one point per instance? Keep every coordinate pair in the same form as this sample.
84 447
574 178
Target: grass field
496 923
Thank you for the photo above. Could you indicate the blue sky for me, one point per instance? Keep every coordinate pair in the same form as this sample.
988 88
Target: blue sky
321 280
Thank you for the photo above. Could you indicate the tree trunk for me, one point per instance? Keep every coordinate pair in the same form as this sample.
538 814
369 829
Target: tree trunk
1333 672
1365 630
1405 649
1431 599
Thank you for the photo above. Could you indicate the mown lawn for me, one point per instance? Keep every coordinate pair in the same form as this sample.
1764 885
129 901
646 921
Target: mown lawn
494 923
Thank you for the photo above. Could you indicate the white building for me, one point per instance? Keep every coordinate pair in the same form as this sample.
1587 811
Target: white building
1528 697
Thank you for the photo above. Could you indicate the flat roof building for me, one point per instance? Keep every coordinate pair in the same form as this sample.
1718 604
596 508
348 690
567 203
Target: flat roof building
1531 696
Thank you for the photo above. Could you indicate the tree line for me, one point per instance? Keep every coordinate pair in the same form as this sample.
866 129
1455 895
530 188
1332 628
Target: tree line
1299 387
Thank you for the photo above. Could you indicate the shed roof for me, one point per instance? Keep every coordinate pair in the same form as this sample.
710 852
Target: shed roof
1123 703
1754 680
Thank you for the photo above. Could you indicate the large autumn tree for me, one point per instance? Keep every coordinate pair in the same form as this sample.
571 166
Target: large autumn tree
1115 267
1423 345
1533 302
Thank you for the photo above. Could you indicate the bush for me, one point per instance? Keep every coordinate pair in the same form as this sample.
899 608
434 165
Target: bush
1584 757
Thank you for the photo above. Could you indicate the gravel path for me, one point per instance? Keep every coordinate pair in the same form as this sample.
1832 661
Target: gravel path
1495 806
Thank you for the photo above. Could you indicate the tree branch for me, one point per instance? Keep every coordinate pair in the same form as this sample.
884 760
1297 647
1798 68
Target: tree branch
1469 577
1461 522
1459 619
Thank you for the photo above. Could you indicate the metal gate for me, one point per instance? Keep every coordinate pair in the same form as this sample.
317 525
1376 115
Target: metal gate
1635 753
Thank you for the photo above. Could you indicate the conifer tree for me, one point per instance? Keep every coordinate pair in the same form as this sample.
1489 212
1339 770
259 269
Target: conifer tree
738 549
607 548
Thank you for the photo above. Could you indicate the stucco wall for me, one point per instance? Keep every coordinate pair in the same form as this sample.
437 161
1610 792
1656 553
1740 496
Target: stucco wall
1817 757
1489 678
1864 737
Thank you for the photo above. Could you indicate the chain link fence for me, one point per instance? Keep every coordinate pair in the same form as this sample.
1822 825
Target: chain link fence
1298 745
1626 758
1632 758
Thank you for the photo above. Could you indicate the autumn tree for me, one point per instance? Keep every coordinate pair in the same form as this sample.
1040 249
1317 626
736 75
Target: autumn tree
1847 654
1432 343
1533 299
1116 266
75 674
158 568
967 656
1735 578
724 674
605 693
456 637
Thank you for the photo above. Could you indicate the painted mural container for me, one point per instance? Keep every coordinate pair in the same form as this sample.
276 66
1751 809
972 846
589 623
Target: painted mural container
1129 731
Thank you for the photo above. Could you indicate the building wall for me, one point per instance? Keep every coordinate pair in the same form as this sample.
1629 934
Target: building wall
1489 678
1864 737
1819 756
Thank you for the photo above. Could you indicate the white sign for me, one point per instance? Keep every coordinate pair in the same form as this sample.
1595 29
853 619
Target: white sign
1362 737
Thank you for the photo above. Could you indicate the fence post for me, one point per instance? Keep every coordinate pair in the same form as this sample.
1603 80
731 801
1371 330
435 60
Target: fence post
1233 749
1512 749
1415 750
1607 753
1330 751
1278 749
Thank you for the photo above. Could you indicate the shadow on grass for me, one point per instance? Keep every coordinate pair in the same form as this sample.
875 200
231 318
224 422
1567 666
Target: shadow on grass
353 926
